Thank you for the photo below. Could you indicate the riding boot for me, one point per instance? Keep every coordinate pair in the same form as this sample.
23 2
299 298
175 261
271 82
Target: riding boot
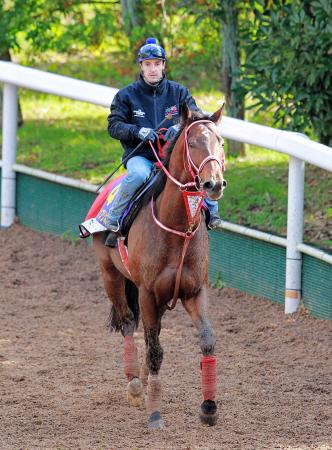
215 221
112 236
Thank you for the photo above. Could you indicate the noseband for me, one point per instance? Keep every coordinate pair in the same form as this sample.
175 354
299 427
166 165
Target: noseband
193 200
188 162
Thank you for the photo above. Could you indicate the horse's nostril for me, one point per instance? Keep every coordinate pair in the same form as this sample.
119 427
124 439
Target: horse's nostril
208 185
224 183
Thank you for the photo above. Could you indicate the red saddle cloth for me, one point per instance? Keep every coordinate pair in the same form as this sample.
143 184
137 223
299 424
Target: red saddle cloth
101 198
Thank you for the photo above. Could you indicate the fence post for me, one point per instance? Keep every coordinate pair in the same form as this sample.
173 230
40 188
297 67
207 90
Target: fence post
8 178
294 234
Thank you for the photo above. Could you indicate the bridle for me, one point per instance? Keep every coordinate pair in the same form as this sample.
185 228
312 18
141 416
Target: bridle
193 196
188 162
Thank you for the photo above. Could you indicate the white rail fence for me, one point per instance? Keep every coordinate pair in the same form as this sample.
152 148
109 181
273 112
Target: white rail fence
299 148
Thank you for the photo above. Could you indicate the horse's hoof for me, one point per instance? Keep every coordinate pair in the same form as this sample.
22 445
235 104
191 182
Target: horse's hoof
135 392
208 413
155 421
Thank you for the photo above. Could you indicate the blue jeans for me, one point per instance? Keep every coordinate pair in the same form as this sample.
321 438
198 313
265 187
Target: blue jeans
139 169
212 206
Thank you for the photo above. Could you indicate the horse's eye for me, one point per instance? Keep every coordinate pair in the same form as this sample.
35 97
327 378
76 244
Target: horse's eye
190 144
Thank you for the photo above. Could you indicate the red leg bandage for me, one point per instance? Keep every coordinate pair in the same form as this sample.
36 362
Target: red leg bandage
130 359
209 377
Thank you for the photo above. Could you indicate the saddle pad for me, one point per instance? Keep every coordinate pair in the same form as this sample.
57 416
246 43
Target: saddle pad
91 224
101 198
96 219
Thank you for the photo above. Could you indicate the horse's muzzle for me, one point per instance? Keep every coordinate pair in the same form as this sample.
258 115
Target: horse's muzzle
214 189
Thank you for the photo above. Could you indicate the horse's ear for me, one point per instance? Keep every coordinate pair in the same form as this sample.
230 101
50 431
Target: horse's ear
186 113
216 117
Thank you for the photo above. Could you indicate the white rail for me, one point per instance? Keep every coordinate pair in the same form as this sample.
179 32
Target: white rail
293 144
297 146
238 229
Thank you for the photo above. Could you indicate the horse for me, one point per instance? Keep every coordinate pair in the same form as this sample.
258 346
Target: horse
168 260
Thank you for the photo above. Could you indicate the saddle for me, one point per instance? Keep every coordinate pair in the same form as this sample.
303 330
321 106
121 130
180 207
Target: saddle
92 223
135 204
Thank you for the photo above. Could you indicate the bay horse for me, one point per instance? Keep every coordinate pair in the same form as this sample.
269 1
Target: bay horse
167 260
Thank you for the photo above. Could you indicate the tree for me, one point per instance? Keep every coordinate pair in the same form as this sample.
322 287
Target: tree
225 16
288 63
53 24
132 14
229 12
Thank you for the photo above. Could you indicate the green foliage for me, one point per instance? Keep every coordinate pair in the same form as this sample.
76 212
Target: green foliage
38 31
69 236
218 282
288 63
61 25
285 47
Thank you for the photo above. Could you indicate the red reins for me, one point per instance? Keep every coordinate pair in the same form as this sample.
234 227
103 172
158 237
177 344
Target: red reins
193 205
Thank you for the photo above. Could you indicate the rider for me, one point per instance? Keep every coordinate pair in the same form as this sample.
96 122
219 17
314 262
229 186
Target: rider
136 111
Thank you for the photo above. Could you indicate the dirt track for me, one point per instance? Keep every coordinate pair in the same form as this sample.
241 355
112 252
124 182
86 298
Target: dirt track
61 380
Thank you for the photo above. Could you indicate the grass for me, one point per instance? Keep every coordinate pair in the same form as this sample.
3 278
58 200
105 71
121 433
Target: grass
70 138
257 193
67 137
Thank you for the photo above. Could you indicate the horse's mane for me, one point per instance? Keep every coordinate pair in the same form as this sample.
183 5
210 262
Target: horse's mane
158 186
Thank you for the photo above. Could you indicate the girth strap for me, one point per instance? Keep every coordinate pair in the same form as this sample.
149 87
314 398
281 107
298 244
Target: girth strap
187 239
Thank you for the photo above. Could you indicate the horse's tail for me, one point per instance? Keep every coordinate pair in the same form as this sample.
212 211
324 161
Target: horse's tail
115 323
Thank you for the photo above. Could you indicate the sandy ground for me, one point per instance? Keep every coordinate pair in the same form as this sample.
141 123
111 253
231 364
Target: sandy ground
61 379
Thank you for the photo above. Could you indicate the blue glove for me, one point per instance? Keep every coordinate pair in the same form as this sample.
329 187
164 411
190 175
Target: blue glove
171 132
147 134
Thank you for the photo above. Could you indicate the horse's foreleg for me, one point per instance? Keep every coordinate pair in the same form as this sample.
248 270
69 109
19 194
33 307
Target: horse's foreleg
154 357
135 390
197 309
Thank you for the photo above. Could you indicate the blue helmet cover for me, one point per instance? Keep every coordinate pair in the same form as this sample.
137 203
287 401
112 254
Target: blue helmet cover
151 50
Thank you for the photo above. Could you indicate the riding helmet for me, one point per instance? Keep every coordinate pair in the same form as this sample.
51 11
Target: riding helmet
151 50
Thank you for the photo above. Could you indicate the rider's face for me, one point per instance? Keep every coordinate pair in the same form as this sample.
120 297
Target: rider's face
152 70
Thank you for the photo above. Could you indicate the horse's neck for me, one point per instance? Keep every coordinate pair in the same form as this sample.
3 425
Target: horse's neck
171 208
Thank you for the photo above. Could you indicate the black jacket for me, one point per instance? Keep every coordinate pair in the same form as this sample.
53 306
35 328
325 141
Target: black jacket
142 105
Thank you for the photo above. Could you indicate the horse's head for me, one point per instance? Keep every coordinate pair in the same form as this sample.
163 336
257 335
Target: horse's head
204 156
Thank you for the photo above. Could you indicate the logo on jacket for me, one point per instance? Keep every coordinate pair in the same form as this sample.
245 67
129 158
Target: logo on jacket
173 110
138 113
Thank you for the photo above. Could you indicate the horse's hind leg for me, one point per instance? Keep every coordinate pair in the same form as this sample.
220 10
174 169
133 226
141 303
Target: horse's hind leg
197 309
122 319
114 283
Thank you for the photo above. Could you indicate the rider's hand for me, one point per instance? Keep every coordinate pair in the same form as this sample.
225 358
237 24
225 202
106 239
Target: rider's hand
171 132
147 134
